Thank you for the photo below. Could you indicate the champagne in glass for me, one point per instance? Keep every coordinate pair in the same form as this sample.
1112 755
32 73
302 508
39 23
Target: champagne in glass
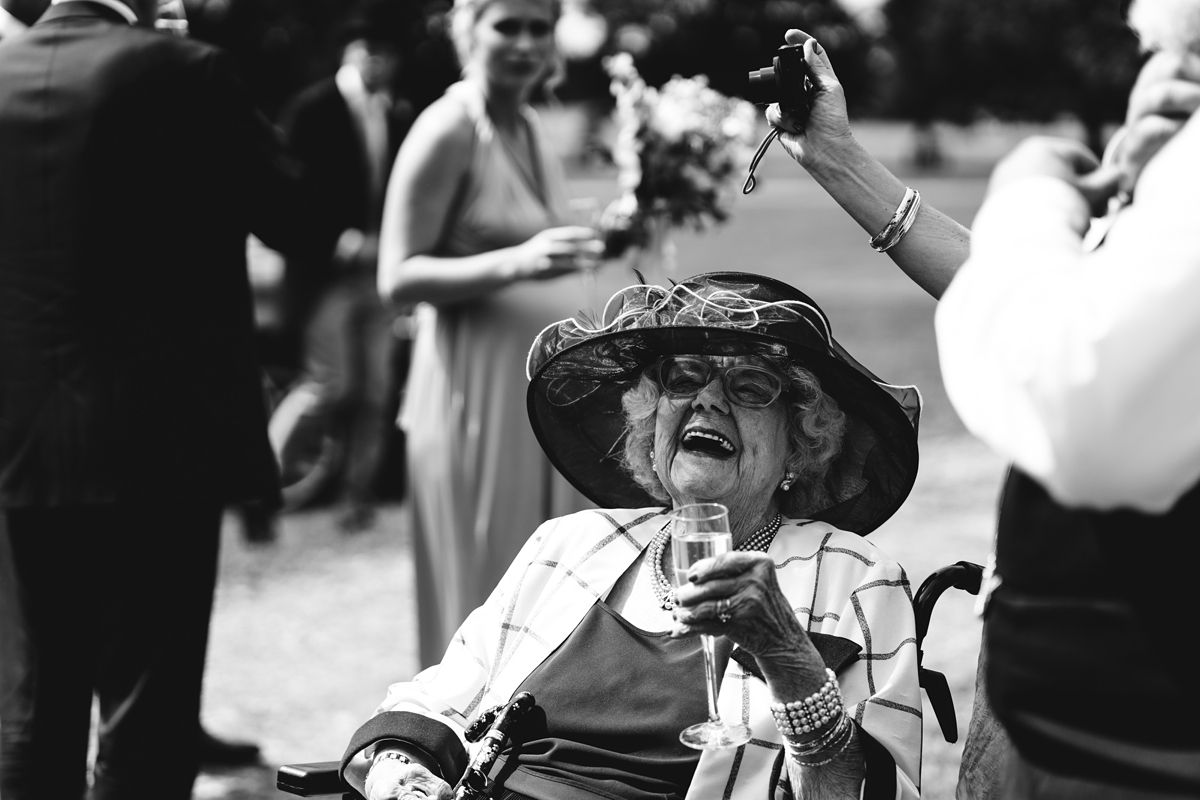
585 212
698 531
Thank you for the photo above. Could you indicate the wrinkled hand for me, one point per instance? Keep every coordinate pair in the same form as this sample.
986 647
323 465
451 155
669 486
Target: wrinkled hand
1065 159
1166 94
557 251
828 121
761 619
395 780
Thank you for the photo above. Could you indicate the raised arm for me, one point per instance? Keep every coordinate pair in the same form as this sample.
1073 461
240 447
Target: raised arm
423 191
934 247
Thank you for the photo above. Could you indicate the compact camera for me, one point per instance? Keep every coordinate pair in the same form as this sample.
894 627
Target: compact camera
787 82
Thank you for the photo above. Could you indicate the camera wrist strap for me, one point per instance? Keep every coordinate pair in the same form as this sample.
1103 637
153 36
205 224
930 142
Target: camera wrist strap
748 186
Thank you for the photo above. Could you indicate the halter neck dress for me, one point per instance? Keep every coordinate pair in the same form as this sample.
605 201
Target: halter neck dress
479 483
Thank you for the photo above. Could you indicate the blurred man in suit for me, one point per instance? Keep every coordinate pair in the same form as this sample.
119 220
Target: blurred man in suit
132 167
347 130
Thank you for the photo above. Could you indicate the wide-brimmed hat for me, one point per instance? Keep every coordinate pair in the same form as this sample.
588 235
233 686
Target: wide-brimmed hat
579 370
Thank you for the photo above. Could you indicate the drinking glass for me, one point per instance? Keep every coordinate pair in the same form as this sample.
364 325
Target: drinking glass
585 212
701 530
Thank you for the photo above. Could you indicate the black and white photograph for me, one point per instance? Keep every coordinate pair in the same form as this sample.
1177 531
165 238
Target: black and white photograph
599 399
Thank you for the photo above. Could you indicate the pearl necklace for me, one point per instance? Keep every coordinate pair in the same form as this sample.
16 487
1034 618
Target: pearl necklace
664 590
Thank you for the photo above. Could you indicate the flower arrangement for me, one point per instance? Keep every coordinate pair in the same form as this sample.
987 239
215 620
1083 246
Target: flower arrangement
677 149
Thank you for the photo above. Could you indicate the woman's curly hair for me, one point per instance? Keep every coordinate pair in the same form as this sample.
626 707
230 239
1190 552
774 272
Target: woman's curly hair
815 428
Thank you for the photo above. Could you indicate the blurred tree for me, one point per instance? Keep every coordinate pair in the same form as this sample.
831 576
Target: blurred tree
284 45
1014 59
725 39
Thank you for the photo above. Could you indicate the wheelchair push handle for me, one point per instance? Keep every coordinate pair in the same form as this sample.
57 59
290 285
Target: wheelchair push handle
474 782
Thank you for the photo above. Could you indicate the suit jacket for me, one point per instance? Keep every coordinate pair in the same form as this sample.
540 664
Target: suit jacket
837 583
323 135
132 167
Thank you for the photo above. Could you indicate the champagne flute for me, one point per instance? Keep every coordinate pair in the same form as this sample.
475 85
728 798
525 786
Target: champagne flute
701 530
585 212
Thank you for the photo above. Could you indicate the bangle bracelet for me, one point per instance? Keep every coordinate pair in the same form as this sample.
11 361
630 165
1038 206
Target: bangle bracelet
845 730
821 743
898 225
387 755
396 754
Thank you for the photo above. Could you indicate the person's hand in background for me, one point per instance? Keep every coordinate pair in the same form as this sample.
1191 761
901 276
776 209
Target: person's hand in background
1065 159
558 251
1165 96
356 250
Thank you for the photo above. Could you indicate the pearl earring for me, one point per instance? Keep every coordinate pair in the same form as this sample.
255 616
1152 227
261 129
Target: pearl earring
788 480
653 464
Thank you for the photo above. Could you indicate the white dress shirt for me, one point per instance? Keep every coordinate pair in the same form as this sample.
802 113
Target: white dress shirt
1083 368
369 111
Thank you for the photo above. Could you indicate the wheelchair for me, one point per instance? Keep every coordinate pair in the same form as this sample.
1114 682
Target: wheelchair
322 778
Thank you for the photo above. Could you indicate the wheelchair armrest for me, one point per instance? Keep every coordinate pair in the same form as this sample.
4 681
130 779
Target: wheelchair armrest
314 779
962 575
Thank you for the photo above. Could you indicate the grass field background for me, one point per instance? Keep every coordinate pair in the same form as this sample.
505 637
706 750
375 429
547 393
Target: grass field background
308 632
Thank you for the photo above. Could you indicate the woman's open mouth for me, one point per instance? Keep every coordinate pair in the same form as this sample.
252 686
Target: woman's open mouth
708 442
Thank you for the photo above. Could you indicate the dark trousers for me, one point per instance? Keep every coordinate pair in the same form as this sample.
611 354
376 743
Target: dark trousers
1024 780
112 601
350 344
987 747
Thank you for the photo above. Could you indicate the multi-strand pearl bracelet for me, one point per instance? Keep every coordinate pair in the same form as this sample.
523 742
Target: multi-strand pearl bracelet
813 712
821 712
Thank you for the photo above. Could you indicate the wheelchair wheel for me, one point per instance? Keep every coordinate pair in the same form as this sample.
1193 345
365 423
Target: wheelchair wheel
309 452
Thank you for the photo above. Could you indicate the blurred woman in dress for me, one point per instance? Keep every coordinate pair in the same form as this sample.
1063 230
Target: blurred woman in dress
475 230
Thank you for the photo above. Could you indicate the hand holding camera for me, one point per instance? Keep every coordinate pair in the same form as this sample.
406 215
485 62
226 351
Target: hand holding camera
808 104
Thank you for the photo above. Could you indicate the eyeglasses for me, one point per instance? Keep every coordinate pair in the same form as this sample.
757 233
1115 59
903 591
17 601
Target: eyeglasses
747 385
513 27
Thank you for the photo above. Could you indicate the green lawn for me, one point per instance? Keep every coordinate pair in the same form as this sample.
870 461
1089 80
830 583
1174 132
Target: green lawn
308 632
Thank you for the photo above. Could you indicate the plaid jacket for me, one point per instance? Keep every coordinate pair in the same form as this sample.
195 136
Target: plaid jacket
837 583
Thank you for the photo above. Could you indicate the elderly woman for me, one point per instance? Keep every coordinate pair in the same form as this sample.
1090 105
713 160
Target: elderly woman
726 388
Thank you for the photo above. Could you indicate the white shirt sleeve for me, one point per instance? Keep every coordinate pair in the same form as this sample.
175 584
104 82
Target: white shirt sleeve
1084 368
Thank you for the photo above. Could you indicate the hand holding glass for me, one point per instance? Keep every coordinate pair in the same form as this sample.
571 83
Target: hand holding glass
699 531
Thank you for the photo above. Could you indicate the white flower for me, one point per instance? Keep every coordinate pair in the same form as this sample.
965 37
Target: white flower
674 119
620 66
677 147
736 126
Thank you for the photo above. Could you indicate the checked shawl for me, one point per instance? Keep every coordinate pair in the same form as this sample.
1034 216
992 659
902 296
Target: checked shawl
837 582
